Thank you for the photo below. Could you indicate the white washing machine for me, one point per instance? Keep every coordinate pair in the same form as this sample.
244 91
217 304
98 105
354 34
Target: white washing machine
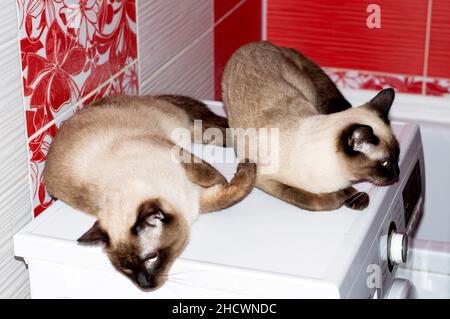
260 248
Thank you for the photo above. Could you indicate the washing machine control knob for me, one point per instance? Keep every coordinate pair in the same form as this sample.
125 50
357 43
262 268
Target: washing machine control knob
397 247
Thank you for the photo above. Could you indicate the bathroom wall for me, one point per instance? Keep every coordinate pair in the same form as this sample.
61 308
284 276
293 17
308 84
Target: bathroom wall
176 47
72 53
410 51
191 41
15 210
236 23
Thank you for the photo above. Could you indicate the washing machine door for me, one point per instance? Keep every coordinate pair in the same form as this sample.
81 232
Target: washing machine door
400 289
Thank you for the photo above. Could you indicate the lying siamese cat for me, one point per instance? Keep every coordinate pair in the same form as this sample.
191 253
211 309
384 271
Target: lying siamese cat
114 160
325 145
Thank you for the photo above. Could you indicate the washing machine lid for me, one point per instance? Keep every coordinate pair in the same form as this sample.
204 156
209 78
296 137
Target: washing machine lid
260 233
267 234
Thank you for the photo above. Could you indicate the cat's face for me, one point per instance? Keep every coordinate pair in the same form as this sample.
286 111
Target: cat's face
371 152
155 240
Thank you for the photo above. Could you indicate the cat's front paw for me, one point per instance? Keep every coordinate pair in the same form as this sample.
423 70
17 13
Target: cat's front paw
358 201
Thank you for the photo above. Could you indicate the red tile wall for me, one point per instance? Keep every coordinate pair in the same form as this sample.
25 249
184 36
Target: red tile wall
242 26
222 7
401 54
439 57
335 33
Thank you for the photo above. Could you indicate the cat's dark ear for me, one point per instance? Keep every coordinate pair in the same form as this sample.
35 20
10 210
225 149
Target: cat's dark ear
149 214
95 235
382 102
358 137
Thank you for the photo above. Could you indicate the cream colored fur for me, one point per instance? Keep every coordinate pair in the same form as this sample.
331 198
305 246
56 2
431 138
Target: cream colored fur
265 86
125 164
309 155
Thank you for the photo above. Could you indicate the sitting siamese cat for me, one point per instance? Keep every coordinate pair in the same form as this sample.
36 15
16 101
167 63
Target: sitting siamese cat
325 145
114 160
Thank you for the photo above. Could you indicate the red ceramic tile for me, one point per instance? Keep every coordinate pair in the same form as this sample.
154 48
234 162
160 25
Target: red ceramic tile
69 49
335 33
221 7
38 148
351 79
241 27
438 87
439 54
125 83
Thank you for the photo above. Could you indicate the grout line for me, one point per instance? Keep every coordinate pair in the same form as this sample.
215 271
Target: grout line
264 20
226 15
427 46
80 102
176 56
144 82
137 43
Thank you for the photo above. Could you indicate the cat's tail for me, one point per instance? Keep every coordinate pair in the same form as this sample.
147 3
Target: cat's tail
224 195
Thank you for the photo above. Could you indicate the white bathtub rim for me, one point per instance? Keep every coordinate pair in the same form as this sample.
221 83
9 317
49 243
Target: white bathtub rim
409 107
412 107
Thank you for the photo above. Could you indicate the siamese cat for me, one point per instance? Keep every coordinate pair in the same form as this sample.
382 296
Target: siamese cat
325 145
114 160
